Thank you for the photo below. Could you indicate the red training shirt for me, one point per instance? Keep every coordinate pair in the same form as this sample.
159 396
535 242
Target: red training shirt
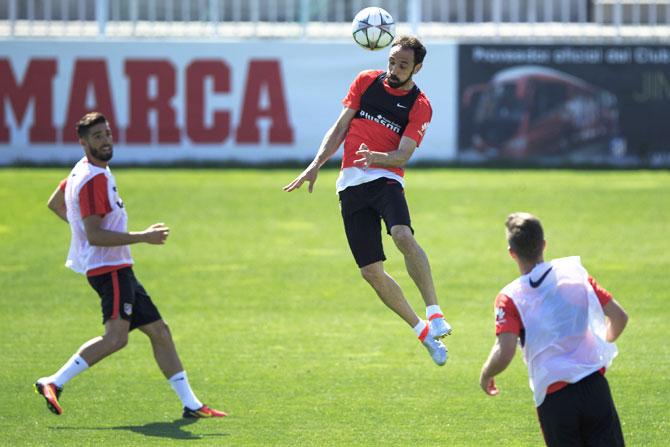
377 137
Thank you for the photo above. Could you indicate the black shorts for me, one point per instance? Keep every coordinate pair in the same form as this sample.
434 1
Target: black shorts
363 206
122 295
581 414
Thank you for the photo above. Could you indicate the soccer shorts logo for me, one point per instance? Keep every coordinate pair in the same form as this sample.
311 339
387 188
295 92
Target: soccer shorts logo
128 308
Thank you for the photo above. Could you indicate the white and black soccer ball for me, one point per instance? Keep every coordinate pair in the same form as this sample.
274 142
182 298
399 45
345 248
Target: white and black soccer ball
373 28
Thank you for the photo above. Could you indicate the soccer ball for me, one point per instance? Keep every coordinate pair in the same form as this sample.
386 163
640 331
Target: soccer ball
373 28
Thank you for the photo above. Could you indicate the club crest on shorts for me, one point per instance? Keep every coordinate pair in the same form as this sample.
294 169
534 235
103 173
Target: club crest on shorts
128 308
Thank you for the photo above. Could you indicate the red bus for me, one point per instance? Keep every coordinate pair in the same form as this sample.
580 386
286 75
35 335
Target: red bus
531 110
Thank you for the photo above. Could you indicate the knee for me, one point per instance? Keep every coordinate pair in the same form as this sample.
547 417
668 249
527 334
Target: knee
372 274
160 333
117 341
403 237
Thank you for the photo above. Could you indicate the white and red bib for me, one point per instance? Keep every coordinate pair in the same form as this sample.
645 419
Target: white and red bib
564 323
91 190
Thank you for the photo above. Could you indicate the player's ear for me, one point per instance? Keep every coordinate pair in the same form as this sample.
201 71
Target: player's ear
417 67
511 253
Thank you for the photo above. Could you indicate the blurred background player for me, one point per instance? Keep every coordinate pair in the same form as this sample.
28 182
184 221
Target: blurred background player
566 324
89 201
384 119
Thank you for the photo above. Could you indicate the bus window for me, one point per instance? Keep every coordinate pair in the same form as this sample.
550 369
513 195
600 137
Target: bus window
547 98
499 113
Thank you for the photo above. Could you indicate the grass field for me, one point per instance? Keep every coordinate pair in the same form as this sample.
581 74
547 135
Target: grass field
275 325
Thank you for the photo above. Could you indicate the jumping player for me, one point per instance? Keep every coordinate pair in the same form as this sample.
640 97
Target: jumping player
566 325
89 201
384 119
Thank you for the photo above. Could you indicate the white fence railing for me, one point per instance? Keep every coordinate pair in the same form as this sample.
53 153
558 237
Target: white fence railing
329 18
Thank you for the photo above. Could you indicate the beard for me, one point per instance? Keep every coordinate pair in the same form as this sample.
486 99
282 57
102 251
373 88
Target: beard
395 82
102 156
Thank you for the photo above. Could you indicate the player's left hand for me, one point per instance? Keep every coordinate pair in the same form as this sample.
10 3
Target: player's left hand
488 384
366 157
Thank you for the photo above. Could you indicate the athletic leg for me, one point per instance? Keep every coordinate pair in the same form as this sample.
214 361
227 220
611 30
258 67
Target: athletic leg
416 262
117 295
114 339
90 353
394 210
163 346
168 361
389 291
391 294
362 224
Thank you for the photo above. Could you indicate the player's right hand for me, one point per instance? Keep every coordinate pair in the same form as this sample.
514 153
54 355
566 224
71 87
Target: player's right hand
156 234
308 175
489 386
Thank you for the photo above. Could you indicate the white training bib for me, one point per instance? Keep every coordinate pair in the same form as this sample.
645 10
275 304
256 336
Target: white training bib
565 329
83 256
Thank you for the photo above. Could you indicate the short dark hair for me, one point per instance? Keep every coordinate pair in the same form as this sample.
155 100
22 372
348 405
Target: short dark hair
87 121
525 236
411 43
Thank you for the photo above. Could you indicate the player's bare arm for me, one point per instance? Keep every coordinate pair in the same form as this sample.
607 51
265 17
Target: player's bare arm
499 359
56 204
394 159
330 144
617 318
155 234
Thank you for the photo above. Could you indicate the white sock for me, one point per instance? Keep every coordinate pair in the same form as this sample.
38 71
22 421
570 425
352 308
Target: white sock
419 328
181 386
72 367
432 310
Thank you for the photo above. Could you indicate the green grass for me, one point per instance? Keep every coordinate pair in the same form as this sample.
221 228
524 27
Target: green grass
275 325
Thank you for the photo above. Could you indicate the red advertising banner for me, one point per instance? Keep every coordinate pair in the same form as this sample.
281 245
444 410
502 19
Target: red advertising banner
247 101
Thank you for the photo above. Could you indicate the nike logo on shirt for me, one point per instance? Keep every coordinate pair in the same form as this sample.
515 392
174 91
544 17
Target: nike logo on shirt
401 106
536 284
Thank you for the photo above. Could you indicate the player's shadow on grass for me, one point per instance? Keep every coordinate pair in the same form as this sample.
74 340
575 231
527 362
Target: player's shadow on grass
172 430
